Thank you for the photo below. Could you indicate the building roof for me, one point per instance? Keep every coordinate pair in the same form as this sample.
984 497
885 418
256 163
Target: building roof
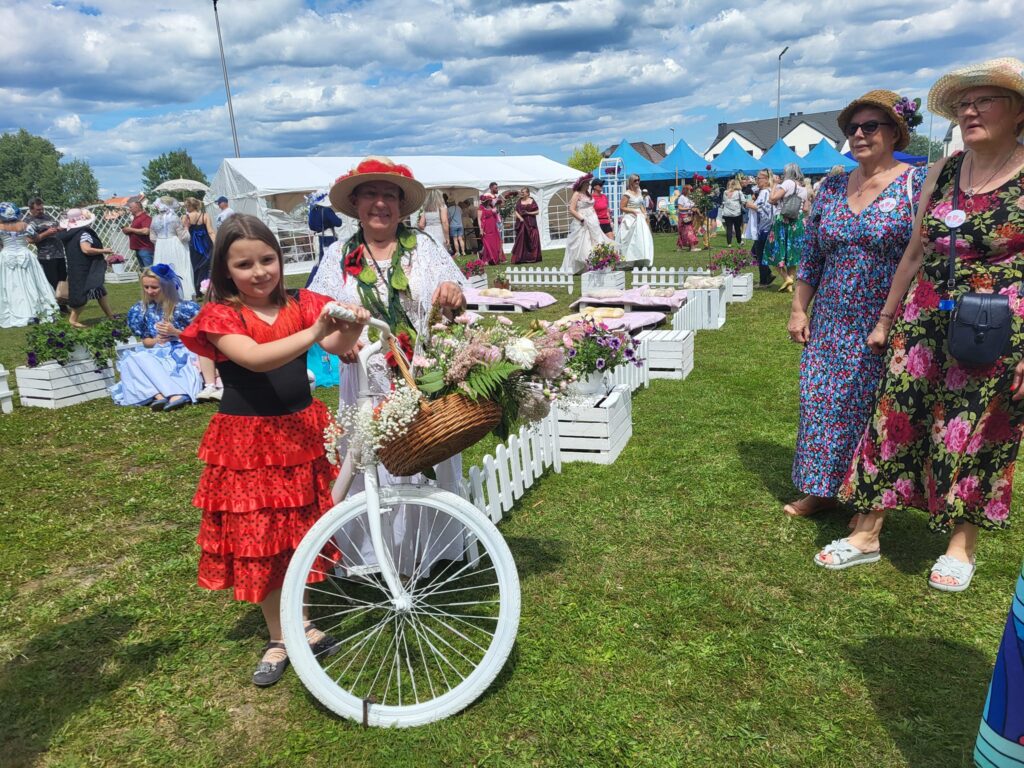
653 153
762 133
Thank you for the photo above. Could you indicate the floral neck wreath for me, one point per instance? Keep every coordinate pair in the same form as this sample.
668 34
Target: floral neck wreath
356 261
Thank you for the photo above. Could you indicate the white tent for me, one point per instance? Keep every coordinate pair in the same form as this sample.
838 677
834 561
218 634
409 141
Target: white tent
274 187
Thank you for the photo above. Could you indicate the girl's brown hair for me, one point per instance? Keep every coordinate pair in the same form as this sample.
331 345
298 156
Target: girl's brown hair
241 226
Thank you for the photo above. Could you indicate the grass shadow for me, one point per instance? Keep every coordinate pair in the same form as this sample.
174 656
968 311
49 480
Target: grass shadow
61 672
772 464
928 692
535 556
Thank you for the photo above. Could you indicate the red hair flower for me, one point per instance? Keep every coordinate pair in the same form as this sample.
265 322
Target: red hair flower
372 165
354 262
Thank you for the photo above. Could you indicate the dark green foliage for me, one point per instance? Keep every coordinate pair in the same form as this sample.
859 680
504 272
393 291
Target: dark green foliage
176 164
30 166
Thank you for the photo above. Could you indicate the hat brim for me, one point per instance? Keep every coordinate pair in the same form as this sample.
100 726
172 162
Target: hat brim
63 223
948 87
902 132
413 193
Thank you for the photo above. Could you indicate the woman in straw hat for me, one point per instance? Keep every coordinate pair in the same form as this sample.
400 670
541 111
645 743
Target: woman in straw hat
944 436
87 268
399 275
854 239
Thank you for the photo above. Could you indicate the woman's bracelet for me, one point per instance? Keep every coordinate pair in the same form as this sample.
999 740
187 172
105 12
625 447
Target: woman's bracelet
887 315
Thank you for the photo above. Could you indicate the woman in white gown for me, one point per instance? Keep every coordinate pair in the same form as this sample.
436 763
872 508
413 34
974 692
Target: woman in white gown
381 199
584 229
636 245
25 295
166 232
434 218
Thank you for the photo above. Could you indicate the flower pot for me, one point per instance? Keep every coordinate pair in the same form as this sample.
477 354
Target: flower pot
592 384
118 268
503 284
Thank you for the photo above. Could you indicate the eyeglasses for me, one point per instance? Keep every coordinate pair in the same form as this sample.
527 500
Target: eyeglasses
867 128
373 194
984 104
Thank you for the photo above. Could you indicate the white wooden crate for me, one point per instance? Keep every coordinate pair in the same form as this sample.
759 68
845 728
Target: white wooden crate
598 429
704 309
6 398
669 353
590 281
479 282
634 376
540 277
742 288
52 385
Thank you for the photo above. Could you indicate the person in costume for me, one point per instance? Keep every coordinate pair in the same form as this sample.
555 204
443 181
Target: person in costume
401 276
490 225
201 235
325 222
584 230
527 246
161 373
267 479
167 233
25 294
944 436
87 268
635 239
686 234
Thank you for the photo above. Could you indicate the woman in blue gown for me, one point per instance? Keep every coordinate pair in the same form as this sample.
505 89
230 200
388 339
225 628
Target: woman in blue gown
160 372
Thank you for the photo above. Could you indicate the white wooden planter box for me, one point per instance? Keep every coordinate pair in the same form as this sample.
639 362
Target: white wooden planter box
598 429
669 353
479 282
631 375
704 309
6 398
52 385
595 280
742 288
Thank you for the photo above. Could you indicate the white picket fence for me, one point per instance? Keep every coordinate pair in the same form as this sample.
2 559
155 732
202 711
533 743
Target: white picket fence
540 277
500 479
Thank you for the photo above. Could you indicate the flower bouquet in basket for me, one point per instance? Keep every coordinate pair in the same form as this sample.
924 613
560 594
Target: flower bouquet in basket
592 348
115 258
468 380
604 258
731 261
474 268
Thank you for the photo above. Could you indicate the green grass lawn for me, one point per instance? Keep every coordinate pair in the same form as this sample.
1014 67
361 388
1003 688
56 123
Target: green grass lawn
671 613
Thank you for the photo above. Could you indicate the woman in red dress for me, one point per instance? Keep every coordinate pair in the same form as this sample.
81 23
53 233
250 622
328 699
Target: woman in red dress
490 228
527 246
267 479
601 206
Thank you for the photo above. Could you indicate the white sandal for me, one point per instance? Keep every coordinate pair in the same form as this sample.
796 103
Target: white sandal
845 555
948 565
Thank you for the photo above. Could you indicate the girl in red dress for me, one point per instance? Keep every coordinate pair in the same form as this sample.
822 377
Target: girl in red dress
267 479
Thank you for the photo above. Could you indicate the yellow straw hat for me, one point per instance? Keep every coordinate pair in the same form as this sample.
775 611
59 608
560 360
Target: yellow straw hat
885 101
1006 72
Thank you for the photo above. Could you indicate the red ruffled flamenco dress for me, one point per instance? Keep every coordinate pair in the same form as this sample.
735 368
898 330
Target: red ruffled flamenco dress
267 479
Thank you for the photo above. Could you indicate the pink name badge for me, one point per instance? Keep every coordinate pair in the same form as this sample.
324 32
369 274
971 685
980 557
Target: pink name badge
888 205
955 218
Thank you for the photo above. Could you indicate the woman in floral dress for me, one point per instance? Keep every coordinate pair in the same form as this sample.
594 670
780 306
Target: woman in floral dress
855 237
944 438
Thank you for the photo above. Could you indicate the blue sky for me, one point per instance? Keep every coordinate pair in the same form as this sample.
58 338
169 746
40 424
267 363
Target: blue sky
117 88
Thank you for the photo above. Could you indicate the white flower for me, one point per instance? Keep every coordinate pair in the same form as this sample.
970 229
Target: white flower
521 351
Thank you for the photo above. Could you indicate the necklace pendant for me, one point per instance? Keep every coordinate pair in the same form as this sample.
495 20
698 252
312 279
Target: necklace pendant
970 191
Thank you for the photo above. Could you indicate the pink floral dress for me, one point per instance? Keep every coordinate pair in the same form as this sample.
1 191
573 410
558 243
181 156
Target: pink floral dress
944 438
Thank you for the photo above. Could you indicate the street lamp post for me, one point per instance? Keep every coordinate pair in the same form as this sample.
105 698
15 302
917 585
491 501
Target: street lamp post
227 86
674 149
778 99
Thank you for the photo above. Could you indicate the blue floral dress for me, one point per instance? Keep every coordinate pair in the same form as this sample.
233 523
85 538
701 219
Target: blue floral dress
167 369
850 260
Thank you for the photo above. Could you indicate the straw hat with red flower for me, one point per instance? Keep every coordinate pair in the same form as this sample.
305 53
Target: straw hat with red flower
378 169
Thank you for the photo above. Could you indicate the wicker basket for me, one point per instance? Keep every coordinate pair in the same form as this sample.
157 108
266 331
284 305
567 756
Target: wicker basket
442 429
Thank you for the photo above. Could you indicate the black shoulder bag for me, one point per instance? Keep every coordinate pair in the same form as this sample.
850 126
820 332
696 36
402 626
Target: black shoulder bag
979 328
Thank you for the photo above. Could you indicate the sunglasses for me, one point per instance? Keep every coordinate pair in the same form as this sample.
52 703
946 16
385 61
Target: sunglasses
867 128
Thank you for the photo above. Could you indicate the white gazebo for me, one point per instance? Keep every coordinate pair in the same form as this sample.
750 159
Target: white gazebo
274 189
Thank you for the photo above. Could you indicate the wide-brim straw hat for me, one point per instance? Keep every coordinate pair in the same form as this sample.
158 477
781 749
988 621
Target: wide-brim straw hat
378 169
1006 72
885 101
74 218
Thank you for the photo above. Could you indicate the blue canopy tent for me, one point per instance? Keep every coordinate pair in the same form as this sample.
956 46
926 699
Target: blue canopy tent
779 156
823 157
735 160
682 160
634 162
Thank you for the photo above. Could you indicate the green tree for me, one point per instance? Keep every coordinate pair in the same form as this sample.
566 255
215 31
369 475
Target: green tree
177 164
585 158
919 146
30 165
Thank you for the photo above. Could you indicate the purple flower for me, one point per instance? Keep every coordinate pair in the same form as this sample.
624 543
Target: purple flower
32 361
600 363
572 353
614 342
630 354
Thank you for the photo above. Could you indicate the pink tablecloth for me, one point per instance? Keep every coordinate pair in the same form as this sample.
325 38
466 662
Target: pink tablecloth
634 297
526 299
632 321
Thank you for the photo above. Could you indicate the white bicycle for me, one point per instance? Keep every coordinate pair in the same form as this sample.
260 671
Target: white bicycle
423 607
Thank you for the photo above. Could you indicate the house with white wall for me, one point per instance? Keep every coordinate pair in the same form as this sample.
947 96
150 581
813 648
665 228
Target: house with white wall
800 132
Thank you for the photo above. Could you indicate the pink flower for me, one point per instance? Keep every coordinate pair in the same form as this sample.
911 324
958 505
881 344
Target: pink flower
911 312
957 434
898 428
888 449
997 510
464 319
940 210
956 378
889 499
968 489
919 361
898 362
567 340
926 296
904 488
938 431
975 443
504 320
419 361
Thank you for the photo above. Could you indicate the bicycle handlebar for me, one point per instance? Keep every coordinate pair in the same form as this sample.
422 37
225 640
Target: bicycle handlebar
339 312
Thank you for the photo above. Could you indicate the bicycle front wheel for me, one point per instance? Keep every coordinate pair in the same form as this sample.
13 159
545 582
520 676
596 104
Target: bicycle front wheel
421 659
